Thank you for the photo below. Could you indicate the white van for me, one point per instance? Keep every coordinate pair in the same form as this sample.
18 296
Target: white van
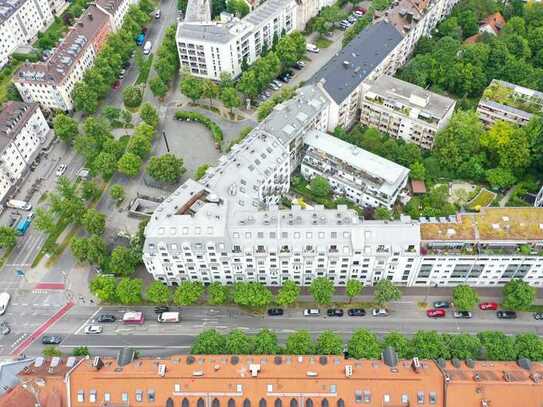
4 301
15 204
147 48
169 317
312 48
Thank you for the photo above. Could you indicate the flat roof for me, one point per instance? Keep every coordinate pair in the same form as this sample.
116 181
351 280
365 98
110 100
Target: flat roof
266 10
348 68
490 224
212 32
198 11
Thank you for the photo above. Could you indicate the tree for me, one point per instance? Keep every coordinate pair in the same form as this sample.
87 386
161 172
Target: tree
217 294
252 295
81 351
238 7
238 343
117 192
129 164
65 128
92 250
291 48
529 345
94 222
158 293
429 345
248 84
383 213
200 171
210 90
288 293
122 262
191 87
188 292
385 291
463 346
322 289
265 343
353 288
230 98
364 345
112 114
329 343
8 237
139 144
299 343
509 144
166 168
50 351
129 290
85 98
132 96
149 114
464 297
497 346
320 187
105 164
399 343
518 295
89 190
45 220
418 171
158 87
209 342
500 178
104 288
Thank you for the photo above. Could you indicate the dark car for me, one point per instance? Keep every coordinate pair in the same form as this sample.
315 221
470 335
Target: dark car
538 316
506 314
162 308
51 340
4 328
285 78
275 312
441 304
356 312
334 312
106 318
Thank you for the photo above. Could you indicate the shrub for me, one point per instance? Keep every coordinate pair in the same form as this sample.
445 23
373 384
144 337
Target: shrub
200 118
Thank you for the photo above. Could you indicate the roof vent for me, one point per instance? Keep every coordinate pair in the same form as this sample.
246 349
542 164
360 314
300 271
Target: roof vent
125 356
389 357
415 364
234 360
456 362
470 363
190 360
278 360
323 360
254 368
477 377
162 370
97 363
525 363
348 370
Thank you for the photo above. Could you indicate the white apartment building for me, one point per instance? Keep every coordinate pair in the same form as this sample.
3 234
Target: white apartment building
363 177
23 129
52 82
509 102
404 111
380 48
116 10
20 22
207 48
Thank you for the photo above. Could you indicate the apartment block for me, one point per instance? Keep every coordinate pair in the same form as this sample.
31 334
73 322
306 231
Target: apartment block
116 10
509 102
23 130
274 381
365 178
20 22
404 111
207 49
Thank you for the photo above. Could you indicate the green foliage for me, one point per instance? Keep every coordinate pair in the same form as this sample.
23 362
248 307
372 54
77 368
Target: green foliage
464 297
122 261
90 191
117 192
166 168
353 288
529 345
8 237
497 346
238 343
463 346
433 203
129 291
252 295
45 221
266 68
291 48
144 67
320 187
244 132
383 213
399 343
94 222
299 343
329 343
288 293
92 250
200 118
209 342
500 178
65 128
85 98
230 97
418 171
191 87
217 294
158 87
81 351
518 295
200 171
430 345
210 90
188 292
385 291
357 27
364 345
149 114
238 7
129 164
132 96
265 343
51 351
104 288
266 108
322 289
158 293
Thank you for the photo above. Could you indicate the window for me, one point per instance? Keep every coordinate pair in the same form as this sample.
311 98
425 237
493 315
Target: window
107 397
367 396
405 399
139 395
386 398
420 397
433 397
92 396
80 396
124 396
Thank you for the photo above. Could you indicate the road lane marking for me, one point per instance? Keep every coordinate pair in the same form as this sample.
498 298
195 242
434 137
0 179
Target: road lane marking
87 321
134 346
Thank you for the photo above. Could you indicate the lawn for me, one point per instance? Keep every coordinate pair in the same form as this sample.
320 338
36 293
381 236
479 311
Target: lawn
482 199
323 42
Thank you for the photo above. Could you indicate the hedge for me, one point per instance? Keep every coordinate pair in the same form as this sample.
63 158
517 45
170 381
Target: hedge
200 118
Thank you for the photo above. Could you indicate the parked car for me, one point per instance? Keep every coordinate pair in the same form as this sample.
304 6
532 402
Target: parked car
506 314
4 328
538 316
60 170
275 312
93 329
351 19
116 85
274 86
356 312
334 312
312 312
299 65
462 314
436 313
380 312
122 73
51 340
277 83
361 10
126 64
106 318
488 306
441 304
358 13
162 308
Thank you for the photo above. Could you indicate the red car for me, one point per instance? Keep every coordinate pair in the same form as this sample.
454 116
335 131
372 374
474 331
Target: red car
116 85
488 306
435 313
361 9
